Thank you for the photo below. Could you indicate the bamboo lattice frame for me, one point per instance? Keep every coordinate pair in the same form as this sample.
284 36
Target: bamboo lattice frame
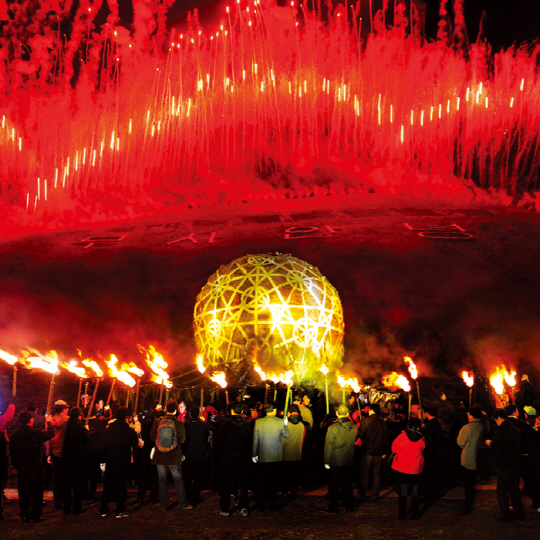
276 303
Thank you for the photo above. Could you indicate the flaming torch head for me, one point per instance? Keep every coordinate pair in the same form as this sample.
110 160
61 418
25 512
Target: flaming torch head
412 367
200 365
120 374
9 358
469 379
395 380
496 381
158 366
219 378
324 369
73 368
48 363
94 366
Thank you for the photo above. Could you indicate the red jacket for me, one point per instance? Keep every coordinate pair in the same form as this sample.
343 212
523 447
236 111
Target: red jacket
408 447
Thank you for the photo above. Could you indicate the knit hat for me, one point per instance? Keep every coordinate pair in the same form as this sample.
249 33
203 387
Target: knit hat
531 411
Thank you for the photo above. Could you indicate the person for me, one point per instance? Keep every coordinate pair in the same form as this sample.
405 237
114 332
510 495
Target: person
469 438
233 451
292 451
531 484
85 404
268 454
168 434
339 459
409 464
505 442
527 391
116 444
182 411
5 419
305 410
434 439
56 448
39 420
25 448
374 436
101 411
75 455
195 450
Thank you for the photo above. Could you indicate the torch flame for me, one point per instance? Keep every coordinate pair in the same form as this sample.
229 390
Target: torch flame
122 375
287 377
469 379
353 383
267 376
158 365
324 369
219 377
200 364
500 376
396 380
73 368
132 368
9 358
48 363
93 366
412 367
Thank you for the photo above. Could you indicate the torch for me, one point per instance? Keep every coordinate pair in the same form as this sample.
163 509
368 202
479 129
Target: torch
469 381
219 378
76 370
98 380
132 368
398 381
120 374
287 379
510 379
48 363
324 369
414 374
352 383
158 366
496 381
12 360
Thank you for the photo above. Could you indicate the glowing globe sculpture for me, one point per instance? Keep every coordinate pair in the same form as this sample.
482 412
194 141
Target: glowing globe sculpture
273 309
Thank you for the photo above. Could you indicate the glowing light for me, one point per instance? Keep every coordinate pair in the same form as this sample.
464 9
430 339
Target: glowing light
350 382
9 358
94 366
157 364
394 380
468 378
324 369
199 363
73 368
219 378
119 374
48 362
412 367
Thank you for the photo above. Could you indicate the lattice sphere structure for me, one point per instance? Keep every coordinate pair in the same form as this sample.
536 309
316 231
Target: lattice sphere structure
272 308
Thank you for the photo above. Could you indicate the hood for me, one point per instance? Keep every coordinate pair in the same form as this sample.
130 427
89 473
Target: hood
345 424
294 419
414 436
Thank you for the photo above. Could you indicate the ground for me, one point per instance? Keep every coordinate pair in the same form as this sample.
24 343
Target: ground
301 519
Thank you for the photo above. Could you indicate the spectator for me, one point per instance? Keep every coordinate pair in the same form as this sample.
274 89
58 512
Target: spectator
434 440
168 434
233 451
268 453
116 444
339 459
292 451
25 448
374 436
469 439
409 464
506 442
56 449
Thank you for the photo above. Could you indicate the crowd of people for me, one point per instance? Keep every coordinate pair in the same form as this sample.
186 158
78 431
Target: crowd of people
254 454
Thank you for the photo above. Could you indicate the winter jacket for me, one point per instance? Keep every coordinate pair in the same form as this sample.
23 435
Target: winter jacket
527 435
75 442
307 415
174 457
409 447
234 441
59 423
267 439
116 443
339 443
7 417
25 446
469 439
506 441
292 447
374 435
433 436
196 443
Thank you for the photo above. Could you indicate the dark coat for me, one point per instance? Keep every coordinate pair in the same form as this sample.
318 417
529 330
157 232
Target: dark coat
25 446
339 443
374 435
234 440
267 438
75 442
434 438
116 443
527 434
506 442
196 444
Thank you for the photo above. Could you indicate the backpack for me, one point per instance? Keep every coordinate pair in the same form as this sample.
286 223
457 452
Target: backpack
166 435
